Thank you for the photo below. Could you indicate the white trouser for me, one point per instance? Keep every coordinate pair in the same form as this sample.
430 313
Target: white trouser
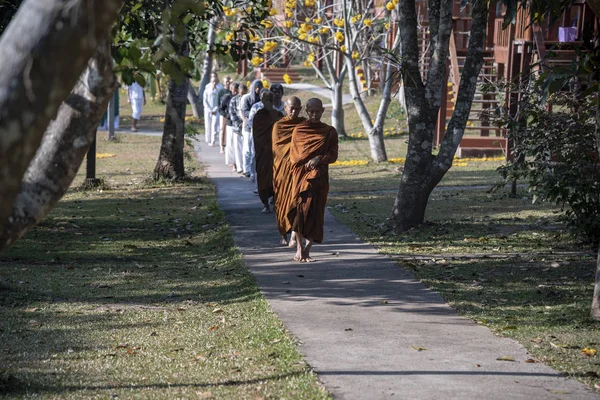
248 150
229 150
136 107
238 149
207 125
215 129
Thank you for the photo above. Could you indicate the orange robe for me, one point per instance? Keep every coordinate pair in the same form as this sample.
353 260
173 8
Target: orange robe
310 187
262 128
282 178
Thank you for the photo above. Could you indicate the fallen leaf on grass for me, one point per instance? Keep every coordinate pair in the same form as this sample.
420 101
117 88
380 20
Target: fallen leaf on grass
537 340
33 309
596 385
505 358
200 358
212 328
530 361
509 327
217 310
588 352
122 346
204 395
418 348
34 323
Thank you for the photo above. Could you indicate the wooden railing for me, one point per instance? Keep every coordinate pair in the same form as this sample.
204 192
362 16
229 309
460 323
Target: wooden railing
522 26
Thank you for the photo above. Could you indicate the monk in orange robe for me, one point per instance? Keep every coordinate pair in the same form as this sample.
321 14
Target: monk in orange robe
282 178
314 146
262 128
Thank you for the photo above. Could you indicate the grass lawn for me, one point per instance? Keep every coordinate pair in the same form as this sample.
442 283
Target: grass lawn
138 292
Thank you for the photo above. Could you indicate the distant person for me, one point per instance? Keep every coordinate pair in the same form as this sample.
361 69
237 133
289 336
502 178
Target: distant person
282 174
314 146
211 108
278 103
262 128
237 126
227 145
246 104
136 96
224 91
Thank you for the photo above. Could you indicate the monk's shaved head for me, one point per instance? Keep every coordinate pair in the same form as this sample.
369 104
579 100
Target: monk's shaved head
293 106
314 110
314 103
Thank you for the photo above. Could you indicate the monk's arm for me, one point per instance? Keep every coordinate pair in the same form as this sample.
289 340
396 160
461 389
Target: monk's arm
331 154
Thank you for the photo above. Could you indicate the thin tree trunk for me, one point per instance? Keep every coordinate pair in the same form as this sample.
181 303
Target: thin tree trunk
63 147
208 63
337 112
170 160
42 54
194 101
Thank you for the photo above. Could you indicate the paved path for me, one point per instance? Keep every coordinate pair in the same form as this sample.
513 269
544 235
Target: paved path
318 90
358 316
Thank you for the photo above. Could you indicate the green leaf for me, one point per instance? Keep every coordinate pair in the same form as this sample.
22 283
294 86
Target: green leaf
139 78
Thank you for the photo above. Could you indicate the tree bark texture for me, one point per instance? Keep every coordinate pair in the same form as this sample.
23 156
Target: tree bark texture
595 310
63 147
170 160
43 52
422 170
337 112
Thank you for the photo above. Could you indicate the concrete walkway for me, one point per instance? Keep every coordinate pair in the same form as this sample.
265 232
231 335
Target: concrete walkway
363 322
318 90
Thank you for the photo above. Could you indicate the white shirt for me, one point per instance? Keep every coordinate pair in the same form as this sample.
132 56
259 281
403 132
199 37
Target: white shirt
136 92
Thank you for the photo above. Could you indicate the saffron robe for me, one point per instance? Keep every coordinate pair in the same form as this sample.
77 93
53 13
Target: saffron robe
262 128
310 187
282 177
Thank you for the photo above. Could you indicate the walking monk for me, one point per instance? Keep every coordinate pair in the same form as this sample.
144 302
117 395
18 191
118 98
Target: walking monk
262 127
314 146
282 178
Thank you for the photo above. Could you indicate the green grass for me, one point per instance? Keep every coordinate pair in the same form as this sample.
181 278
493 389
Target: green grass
503 262
139 292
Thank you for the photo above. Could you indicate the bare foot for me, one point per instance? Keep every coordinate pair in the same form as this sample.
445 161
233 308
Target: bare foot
298 256
308 259
266 210
292 243
283 241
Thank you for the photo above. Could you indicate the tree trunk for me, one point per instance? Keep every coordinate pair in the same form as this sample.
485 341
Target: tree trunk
422 170
195 101
595 311
42 54
337 112
208 63
170 161
63 147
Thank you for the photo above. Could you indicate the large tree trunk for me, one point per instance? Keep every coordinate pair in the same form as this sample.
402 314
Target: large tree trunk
422 170
337 112
170 161
42 54
595 311
195 101
63 147
207 64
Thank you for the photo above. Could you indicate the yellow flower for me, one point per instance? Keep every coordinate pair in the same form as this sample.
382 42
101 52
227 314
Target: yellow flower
248 9
313 39
100 156
229 37
306 64
306 27
310 58
310 3
318 20
368 22
266 84
287 79
256 61
287 24
269 46
395 2
390 6
303 36
229 12
254 38
355 55
267 24
350 163
248 83
289 14
324 30
272 12
338 22
306 19
339 36
353 20
343 48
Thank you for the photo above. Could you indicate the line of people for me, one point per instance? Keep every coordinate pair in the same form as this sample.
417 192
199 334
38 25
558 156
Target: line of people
285 155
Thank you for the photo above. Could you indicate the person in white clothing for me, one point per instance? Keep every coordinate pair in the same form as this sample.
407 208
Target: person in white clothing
136 96
210 99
